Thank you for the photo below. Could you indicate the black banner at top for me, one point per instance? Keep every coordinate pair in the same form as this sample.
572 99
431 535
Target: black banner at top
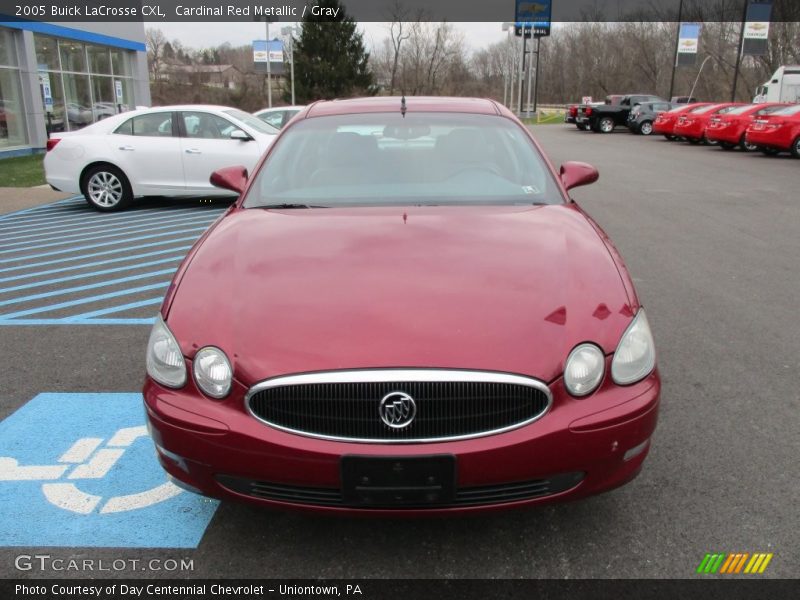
155 11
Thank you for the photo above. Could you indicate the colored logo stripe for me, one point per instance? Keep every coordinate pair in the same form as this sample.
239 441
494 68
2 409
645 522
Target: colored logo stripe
734 563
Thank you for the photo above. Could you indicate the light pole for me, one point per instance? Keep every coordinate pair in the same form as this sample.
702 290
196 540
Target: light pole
290 31
696 79
508 28
268 20
677 41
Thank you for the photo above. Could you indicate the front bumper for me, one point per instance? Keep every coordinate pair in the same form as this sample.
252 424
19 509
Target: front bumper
579 448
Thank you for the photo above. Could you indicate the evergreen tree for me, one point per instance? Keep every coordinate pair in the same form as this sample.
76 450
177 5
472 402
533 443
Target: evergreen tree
330 58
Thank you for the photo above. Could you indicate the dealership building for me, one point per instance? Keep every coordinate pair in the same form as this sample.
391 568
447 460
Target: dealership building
56 77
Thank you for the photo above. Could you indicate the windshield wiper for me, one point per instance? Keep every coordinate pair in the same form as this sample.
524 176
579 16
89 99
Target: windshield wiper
291 206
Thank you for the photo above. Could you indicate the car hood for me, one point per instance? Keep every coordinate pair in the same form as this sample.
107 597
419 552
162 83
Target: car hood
504 288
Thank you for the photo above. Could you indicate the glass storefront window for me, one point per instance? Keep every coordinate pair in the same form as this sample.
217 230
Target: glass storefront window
8 55
127 95
73 56
79 100
104 101
120 62
12 122
99 60
46 53
54 115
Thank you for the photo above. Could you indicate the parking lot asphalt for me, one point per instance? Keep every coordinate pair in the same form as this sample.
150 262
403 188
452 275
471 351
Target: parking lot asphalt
710 238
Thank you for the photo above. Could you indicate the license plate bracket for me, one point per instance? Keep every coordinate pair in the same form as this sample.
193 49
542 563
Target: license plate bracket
404 481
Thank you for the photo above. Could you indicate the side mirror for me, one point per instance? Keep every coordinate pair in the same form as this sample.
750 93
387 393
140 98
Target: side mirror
238 134
230 178
574 174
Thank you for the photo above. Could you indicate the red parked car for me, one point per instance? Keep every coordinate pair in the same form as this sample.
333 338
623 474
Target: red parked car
664 123
777 132
403 313
729 129
692 125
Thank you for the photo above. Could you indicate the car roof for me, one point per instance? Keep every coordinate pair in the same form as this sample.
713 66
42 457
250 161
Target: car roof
277 108
191 107
393 103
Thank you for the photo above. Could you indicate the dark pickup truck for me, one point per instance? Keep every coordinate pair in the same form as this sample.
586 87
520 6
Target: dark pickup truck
584 111
604 118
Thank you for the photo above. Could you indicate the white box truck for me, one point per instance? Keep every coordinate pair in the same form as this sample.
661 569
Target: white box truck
783 86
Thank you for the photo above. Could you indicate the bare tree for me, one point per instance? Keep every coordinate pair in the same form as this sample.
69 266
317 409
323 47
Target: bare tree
397 36
155 41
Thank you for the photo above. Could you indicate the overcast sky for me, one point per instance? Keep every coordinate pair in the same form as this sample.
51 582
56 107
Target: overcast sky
204 35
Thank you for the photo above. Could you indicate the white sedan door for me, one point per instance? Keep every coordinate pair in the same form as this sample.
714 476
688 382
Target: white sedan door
148 151
207 146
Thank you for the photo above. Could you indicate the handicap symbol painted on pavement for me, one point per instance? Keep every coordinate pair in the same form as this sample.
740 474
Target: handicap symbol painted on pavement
80 470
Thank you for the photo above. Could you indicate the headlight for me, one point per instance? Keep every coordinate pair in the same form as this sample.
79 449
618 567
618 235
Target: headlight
584 369
635 357
165 362
212 372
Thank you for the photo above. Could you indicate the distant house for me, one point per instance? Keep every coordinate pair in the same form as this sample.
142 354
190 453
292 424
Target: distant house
218 76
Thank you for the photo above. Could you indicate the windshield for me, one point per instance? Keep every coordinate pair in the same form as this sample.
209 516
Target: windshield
252 121
385 159
788 111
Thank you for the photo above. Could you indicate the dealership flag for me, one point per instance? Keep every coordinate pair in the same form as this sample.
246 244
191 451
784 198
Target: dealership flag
687 43
756 27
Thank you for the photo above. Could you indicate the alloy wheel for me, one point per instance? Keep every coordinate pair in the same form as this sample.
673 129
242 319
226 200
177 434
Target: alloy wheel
646 128
606 125
105 189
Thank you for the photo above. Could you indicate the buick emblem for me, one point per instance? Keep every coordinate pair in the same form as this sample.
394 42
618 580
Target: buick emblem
397 410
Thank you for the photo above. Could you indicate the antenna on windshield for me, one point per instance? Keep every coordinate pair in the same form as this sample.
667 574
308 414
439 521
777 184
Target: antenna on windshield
403 106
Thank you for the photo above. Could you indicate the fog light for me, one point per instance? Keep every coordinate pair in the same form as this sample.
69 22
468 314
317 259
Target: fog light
636 450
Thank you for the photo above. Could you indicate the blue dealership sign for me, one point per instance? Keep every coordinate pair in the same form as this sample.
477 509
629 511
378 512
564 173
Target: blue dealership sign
80 470
533 17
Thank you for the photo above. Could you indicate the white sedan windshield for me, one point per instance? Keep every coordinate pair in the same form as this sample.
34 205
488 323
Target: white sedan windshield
387 159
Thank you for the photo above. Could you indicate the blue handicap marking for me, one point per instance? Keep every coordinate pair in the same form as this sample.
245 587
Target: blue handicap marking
80 470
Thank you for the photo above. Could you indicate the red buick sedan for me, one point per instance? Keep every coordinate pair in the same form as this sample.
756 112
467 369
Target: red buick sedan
692 125
777 132
665 122
403 313
729 129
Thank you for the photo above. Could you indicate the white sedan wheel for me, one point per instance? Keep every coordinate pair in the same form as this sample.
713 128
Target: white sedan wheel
105 189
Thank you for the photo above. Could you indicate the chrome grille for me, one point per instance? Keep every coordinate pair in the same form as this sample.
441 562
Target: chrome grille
344 405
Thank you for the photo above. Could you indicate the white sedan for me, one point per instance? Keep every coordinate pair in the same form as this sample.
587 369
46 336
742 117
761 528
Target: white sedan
165 151
278 116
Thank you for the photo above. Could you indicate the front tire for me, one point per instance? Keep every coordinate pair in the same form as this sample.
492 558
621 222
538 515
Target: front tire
670 138
106 188
769 151
646 127
727 145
